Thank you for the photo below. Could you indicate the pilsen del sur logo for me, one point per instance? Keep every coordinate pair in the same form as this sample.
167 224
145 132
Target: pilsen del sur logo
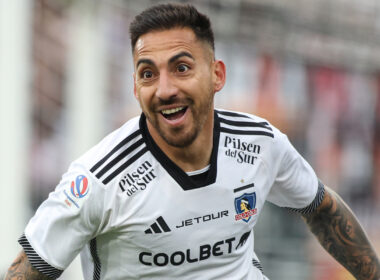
245 206
138 180
243 152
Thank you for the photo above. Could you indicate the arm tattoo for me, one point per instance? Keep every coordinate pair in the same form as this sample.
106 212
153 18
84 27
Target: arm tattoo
340 233
21 269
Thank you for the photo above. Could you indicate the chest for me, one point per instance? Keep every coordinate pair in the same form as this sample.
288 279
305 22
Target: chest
153 206
156 224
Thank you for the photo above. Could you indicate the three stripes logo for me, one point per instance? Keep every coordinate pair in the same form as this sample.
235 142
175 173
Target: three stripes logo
158 227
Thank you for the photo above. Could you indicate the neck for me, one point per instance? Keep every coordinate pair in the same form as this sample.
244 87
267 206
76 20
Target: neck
194 156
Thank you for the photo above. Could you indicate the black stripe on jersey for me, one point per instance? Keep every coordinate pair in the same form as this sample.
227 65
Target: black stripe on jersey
37 262
163 224
241 124
258 265
95 258
119 158
264 125
246 132
155 228
314 204
244 187
114 150
125 165
232 114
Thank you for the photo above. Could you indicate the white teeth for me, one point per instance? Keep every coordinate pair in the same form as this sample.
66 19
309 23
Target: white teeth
171 111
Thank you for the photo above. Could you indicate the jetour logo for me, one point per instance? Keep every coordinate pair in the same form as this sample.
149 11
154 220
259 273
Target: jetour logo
79 187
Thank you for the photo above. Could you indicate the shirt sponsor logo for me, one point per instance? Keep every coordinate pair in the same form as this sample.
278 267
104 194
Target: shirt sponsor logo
158 226
193 255
203 219
245 207
177 258
137 180
242 151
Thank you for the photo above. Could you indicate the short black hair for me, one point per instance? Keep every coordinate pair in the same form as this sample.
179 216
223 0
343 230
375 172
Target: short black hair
168 16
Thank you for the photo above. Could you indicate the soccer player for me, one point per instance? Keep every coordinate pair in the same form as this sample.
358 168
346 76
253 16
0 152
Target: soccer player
176 192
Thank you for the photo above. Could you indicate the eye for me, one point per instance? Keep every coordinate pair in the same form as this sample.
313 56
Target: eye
182 68
147 74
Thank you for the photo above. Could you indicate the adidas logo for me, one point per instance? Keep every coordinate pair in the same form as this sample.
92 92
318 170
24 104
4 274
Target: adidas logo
159 226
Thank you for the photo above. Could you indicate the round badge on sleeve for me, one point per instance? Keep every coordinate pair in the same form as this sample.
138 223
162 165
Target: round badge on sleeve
79 187
77 191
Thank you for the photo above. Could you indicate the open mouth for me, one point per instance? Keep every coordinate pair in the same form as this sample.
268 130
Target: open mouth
174 113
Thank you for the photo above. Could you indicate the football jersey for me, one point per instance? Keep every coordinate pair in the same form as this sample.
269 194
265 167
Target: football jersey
132 213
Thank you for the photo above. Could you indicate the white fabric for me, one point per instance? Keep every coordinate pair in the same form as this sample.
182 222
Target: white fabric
205 239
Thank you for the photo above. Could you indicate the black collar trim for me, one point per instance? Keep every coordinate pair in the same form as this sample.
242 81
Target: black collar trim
184 180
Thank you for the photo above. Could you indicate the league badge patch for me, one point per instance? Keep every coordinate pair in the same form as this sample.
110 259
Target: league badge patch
245 207
79 188
77 191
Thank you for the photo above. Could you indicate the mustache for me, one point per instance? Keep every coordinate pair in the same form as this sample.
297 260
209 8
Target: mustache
172 100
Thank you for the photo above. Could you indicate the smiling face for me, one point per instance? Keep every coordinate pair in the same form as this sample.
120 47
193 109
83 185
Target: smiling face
175 80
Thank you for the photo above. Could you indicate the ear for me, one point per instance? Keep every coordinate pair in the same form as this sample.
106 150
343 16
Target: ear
134 86
219 75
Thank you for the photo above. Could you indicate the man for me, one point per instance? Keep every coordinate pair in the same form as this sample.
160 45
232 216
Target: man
161 197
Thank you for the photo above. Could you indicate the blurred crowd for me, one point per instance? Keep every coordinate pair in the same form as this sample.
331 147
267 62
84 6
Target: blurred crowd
330 114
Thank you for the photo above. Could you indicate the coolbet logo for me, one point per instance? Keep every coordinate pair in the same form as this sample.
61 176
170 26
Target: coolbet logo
202 253
79 187
195 254
245 207
243 152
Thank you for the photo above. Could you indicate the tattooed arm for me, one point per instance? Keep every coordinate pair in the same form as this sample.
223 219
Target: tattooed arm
21 269
340 233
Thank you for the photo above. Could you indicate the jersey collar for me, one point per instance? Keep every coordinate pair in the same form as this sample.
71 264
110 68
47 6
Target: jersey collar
184 180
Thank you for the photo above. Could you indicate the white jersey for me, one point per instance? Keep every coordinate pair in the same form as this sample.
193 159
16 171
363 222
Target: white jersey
133 214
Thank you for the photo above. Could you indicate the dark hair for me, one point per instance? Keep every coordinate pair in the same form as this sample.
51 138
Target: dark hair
168 16
246 203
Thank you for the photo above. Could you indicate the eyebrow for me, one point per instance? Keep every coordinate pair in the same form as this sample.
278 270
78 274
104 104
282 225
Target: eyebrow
171 60
144 60
181 54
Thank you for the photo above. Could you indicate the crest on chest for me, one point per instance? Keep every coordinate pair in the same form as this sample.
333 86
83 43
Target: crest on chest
245 206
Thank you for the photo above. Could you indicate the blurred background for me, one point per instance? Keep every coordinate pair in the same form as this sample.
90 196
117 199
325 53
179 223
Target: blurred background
311 67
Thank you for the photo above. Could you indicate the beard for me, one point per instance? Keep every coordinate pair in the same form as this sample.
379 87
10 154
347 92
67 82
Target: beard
182 137
182 140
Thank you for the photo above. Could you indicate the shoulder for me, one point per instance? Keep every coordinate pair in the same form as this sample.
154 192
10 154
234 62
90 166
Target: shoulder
86 178
247 132
104 161
240 123
120 144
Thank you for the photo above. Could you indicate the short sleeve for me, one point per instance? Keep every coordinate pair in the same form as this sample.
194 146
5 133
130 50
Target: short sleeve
63 224
295 183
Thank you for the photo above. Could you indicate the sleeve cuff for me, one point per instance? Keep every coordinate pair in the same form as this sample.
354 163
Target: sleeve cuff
314 204
37 262
257 264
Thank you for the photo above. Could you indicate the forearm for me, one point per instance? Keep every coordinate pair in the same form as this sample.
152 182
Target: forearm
21 269
340 233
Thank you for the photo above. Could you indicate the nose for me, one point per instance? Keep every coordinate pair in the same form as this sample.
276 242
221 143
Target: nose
166 88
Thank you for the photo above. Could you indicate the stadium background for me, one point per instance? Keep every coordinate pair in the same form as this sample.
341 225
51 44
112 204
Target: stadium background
312 67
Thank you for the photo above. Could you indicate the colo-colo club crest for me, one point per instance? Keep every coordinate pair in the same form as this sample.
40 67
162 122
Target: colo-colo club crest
245 207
